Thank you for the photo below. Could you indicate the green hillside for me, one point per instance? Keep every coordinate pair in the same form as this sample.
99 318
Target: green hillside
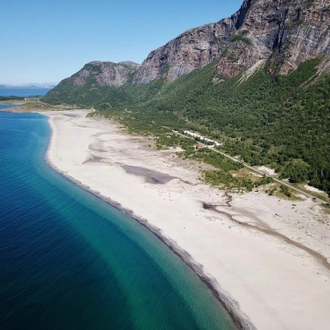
86 87
280 121
68 93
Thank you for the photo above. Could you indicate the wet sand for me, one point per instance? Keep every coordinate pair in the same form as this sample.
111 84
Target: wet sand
150 175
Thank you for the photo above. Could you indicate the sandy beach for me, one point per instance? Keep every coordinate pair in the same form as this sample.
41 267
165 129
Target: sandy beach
267 258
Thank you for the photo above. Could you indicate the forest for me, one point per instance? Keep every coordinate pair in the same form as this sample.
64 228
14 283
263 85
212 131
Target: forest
279 121
268 119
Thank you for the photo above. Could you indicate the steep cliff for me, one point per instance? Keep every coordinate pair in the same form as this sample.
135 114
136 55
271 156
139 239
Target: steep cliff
192 49
283 32
91 83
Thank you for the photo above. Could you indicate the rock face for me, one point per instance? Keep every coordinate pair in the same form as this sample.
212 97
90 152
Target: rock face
283 32
286 33
192 49
91 83
104 73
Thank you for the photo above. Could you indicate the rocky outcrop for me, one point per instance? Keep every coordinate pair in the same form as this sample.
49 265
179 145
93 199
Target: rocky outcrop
282 33
309 36
104 73
192 49
285 32
237 58
91 83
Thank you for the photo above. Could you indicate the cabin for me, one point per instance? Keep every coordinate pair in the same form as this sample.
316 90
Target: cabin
200 145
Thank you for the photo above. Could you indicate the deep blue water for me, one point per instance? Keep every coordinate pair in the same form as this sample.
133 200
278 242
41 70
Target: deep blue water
68 260
23 91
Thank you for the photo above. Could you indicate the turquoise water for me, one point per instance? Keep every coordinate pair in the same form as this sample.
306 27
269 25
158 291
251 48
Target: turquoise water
68 260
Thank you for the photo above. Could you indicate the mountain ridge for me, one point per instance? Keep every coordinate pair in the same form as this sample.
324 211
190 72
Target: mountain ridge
91 83
262 71
284 33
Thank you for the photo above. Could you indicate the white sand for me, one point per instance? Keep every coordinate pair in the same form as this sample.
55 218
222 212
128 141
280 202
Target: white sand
268 282
313 189
266 170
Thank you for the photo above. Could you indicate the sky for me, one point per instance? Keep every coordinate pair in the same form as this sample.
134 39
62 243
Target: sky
45 41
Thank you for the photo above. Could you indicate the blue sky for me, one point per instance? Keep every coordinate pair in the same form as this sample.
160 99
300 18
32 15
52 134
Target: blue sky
47 41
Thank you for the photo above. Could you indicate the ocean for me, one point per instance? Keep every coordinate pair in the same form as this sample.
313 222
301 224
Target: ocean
68 260
24 92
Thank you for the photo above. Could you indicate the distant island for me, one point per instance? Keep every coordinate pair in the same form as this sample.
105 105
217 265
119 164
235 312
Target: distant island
20 92
29 86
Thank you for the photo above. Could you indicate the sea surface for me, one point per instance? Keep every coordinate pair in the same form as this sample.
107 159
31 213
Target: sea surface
68 260
24 92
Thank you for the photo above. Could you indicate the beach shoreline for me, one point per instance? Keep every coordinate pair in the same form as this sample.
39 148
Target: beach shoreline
104 148
240 320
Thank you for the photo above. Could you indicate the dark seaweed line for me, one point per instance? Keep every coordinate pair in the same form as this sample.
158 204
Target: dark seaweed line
240 320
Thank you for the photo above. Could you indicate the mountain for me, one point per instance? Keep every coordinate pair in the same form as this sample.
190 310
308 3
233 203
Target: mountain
281 33
30 86
284 33
91 83
192 49
258 80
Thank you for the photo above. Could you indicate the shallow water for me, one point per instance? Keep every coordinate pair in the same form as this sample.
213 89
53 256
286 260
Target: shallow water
69 260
